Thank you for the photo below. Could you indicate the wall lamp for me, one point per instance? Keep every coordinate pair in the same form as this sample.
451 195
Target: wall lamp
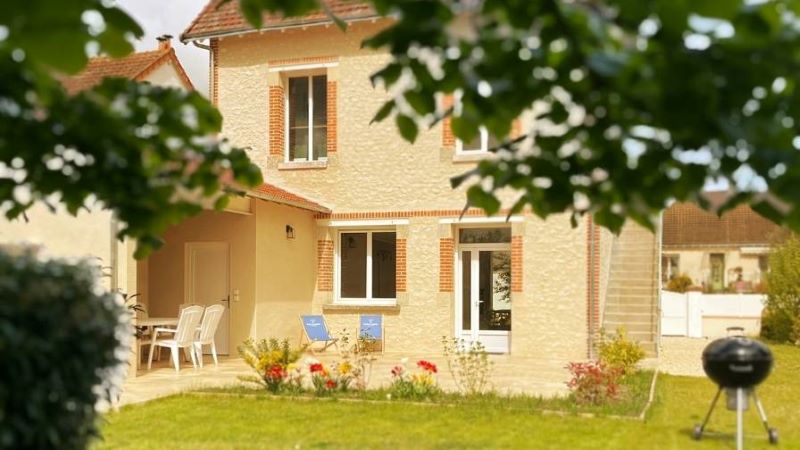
289 232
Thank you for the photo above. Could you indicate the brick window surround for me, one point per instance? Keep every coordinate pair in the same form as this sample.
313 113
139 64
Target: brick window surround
516 263
400 265
325 266
277 118
446 248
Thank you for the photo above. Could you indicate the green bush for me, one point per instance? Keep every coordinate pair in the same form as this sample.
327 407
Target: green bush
679 283
619 352
64 346
783 292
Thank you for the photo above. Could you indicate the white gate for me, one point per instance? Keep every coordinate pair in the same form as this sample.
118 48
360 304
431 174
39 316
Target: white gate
674 314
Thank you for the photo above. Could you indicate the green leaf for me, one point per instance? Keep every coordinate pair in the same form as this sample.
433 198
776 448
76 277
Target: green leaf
482 199
384 112
407 126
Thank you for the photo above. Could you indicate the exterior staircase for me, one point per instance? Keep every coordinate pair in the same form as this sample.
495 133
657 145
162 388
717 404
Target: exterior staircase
632 293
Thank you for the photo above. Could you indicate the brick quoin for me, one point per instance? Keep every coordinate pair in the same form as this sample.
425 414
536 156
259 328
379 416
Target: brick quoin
592 281
446 265
332 121
325 266
276 120
516 263
448 138
400 272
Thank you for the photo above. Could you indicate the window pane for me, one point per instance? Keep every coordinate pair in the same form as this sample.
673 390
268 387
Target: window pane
472 146
298 118
354 265
320 142
384 261
466 290
298 102
484 235
320 100
298 144
493 142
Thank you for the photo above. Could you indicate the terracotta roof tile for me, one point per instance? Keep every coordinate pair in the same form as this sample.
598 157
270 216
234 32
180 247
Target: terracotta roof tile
216 19
686 224
275 194
136 66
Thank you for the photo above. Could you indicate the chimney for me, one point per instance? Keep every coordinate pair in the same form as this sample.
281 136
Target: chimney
164 42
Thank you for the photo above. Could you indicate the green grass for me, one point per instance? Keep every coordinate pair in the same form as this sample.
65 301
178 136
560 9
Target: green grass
251 422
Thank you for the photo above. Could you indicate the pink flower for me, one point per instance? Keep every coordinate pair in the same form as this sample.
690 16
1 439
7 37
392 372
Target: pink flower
397 371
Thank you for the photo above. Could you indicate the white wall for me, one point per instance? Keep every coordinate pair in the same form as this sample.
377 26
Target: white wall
695 314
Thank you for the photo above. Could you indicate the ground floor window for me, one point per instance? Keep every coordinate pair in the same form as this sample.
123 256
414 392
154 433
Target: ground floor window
669 267
367 266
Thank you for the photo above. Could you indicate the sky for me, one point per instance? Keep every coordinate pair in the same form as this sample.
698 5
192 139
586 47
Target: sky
159 17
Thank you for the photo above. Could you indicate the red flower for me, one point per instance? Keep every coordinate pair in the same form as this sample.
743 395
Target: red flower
276 372
330 384
316 367
427 366
397 371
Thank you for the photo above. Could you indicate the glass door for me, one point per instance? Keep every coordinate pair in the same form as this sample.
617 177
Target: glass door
484 306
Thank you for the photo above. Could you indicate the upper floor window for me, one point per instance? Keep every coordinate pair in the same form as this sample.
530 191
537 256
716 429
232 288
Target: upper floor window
307 118
481 143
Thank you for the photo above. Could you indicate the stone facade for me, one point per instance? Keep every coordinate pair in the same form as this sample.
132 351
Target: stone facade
371 176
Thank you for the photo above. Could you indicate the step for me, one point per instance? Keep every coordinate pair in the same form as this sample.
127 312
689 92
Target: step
629 301
639 328
628 317
619 308
630 290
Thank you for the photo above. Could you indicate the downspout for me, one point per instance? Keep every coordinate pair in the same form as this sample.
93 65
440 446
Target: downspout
590 287
210 65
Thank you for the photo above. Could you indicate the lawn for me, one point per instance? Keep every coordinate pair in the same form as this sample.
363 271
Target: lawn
231 422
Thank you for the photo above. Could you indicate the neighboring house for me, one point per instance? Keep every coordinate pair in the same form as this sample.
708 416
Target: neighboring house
356 220
92 233
730 252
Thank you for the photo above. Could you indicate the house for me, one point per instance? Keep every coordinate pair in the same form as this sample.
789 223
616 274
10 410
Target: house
356 220
719 253
92 233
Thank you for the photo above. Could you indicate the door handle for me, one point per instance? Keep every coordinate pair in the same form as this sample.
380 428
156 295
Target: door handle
227 300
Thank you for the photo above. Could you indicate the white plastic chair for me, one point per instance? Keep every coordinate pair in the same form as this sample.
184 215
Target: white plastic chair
183 336
208 329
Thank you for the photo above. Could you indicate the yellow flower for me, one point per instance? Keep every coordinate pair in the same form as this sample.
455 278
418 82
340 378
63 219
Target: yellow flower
344 368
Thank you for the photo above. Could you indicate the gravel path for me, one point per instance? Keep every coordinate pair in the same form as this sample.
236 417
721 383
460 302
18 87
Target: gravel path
681 356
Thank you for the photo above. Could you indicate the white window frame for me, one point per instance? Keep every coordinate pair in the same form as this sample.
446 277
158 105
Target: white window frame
484 134
287 155
368 300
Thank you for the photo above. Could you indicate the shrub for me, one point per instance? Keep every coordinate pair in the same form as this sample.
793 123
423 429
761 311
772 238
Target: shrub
680 283
619 352
593 383
273 361
64 349
783 299
414 385
469 365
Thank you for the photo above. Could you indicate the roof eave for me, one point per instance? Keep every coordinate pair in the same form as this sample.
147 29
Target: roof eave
270 198
189 37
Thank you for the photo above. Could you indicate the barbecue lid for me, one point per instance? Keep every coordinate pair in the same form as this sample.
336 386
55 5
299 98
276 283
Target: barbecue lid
737 349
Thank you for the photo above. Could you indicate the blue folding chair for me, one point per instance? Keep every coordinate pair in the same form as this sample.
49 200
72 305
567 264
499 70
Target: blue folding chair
370 327
315 330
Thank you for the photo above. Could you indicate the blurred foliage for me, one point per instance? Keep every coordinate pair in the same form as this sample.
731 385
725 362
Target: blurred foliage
782 310
64 346
146 153
630 103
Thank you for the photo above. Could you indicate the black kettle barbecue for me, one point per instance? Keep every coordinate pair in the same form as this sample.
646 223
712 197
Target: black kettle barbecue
737 364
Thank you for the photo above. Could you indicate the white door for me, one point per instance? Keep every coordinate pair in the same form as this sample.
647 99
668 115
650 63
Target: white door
483 306
207 283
